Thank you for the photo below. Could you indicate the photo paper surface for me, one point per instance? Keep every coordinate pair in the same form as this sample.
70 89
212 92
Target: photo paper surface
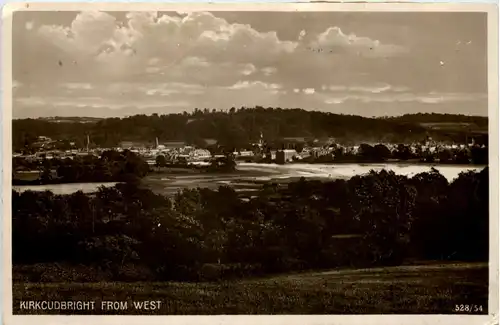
287 163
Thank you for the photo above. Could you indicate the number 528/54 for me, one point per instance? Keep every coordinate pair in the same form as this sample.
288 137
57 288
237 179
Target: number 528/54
468 308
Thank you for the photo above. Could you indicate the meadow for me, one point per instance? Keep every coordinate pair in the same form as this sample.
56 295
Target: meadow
430 288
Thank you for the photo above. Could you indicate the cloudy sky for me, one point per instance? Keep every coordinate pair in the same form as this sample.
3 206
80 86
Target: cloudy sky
371 64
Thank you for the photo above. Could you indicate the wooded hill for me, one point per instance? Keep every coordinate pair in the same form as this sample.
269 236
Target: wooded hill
238 127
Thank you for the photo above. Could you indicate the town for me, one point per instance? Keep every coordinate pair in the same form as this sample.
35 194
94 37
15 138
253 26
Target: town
287 150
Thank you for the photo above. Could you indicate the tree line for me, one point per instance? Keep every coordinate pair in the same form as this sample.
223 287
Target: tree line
111 166
477 121
233 128
127 233
380 153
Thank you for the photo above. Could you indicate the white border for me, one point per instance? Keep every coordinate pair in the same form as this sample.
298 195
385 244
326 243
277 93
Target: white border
490 9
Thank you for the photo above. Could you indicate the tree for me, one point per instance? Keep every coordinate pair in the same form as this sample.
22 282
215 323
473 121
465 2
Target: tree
199 143
445 156
383 205
403 152
46 171
299 147
479 155
224 164
381 152
161 161
240 124
462 157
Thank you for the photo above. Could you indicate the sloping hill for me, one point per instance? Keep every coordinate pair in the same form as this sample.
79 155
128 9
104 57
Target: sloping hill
417 289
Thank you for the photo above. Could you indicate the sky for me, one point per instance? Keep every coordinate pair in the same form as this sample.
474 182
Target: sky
106 64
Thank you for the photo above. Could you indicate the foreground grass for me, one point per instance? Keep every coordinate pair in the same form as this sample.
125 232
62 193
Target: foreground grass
406 290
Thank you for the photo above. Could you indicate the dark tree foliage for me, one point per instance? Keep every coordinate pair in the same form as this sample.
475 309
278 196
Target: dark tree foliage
403 152
161 161
112 166
202 234
234 128
223 164
480 121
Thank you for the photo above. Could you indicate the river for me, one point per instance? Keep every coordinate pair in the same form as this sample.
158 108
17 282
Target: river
250 175
63 188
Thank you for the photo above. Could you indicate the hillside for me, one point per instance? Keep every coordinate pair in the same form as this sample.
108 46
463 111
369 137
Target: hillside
446 122
70 119
238 127
401 290
440 118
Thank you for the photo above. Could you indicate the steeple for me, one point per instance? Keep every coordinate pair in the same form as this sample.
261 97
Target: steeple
261 139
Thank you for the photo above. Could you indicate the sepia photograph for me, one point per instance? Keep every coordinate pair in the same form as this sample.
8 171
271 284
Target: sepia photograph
251 160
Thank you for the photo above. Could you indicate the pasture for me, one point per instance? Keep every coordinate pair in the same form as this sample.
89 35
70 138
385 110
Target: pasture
411 289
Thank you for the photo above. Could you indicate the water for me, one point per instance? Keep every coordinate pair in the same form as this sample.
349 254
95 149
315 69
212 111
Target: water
450 172
251 173
63 188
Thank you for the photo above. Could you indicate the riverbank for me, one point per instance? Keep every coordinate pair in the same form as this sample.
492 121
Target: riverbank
250 176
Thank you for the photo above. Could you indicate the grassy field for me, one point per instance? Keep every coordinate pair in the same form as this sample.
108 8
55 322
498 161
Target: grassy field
455 126
426 289
27 176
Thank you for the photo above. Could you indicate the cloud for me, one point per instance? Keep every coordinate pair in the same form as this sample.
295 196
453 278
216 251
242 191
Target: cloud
375 89
302 34
77 85
175 61
29 25
335 41
151 43
167 89
254 84
196 62
170 38
86 35
95 102
16 84
267 71
127 90
430 98
248 69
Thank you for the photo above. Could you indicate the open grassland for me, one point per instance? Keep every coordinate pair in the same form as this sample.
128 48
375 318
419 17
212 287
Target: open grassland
456 126
427 289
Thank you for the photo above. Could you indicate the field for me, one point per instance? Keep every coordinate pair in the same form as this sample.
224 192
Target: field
27 176
457 127
427 289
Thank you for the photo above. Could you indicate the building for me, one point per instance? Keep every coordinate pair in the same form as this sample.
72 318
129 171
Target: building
200 154
174 144
246 153
134 144
284 156
210 142
294 139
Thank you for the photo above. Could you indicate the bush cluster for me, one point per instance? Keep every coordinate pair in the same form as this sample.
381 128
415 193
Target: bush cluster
200 234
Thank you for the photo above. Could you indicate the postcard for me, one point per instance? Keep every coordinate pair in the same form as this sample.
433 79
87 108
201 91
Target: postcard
298 163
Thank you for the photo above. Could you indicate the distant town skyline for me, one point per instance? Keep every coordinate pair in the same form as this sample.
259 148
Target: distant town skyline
105 64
